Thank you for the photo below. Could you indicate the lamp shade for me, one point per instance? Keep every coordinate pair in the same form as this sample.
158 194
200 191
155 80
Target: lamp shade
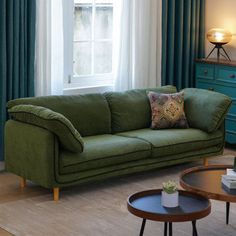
219 36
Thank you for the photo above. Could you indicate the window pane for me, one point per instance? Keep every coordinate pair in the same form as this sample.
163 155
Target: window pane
103 22
103 57
82 58
83 22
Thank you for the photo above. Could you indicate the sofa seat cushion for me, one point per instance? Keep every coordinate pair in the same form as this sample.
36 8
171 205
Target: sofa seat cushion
104 150
175 141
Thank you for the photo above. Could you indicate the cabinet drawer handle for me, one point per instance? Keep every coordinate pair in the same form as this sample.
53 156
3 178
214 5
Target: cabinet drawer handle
205 72
232 76
211 89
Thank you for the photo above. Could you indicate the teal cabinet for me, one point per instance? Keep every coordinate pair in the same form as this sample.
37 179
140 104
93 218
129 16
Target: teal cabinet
220 76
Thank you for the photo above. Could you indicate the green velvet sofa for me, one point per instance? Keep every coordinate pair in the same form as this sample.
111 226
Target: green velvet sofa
84 138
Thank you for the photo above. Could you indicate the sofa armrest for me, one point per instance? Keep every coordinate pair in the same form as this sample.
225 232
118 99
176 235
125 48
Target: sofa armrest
53 121
31 152
204 109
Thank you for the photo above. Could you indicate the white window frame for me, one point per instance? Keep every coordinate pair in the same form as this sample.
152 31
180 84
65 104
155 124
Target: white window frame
86 81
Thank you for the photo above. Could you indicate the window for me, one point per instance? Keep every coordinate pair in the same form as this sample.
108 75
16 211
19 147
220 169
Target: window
92 42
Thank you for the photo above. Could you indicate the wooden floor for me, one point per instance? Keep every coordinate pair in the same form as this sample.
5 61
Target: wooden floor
5 233
97 210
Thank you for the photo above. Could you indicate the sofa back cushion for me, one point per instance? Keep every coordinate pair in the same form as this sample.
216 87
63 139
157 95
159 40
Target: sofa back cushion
89 113
131 110
205 109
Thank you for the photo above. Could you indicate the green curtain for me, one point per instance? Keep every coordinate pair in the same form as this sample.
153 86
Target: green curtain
17 54
183 36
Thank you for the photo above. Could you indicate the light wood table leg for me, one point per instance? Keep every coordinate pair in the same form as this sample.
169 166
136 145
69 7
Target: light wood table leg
205 161
22 182
56 194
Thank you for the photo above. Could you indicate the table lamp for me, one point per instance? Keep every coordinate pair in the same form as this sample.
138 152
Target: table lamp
219 37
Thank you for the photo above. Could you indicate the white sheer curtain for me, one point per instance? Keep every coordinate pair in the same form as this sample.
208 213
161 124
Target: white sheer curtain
136 46
49 47
137 53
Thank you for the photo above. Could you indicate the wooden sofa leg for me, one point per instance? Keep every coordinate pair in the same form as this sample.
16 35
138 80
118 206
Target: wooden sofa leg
56 194
205 161
22 182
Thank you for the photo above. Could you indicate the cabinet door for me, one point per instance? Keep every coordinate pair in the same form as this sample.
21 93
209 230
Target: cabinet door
230 128
204 85
226 84
222 79
226 74
205 76
205 71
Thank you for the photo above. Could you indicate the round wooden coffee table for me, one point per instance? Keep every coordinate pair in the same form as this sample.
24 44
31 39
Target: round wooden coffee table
147 205
206 180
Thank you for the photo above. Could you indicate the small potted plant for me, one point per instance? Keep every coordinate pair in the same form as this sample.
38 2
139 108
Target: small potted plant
170 194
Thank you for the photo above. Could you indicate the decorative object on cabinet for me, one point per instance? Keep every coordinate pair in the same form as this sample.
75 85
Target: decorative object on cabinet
220 76
219 37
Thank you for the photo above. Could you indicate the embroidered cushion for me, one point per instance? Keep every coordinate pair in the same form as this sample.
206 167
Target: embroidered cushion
167 110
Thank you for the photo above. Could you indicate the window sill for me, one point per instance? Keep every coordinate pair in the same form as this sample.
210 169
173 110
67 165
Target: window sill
70 89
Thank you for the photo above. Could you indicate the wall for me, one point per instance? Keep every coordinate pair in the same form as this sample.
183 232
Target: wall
222 14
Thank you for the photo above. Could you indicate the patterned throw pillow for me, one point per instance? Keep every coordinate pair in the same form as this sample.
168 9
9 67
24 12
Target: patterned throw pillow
167 110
